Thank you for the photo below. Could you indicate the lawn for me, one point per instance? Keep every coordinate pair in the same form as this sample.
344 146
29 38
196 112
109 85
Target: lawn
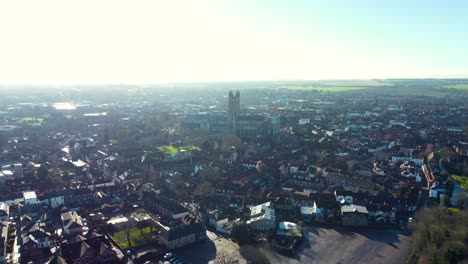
31 120
114 141
168 150
458 86
171 150
136 238
453 210
462 180
332 89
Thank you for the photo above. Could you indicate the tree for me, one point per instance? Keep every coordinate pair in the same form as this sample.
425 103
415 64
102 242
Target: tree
141 225
224 258
253 255
43 172
57 181
447 154
322 157
229 140
209 179
128 228
242 233
439 236
445 201
461 199
3 139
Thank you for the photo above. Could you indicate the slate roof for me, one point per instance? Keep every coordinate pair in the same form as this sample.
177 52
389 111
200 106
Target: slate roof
354 209
182 231
92 244
71 220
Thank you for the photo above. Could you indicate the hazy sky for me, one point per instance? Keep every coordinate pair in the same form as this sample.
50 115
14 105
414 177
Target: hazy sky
68 42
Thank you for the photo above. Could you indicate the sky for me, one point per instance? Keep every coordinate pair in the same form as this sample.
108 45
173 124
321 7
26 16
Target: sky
144 42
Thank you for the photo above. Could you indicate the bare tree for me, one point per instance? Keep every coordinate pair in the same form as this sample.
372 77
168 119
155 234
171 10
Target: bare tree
225 258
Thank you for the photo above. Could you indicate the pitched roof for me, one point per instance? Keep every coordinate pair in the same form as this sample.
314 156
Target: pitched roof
182 231
57 259
354 209
71 219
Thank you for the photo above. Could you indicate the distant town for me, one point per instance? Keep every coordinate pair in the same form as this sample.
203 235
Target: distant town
248 172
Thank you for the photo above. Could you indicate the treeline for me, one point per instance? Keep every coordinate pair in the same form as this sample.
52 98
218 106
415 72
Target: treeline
440 236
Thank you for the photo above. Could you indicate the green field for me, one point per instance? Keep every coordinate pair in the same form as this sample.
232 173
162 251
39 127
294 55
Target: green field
462 180
458 86
171 150
347 83
136 238
453 210
332 89
31 120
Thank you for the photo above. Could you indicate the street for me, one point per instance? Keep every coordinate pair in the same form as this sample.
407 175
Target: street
207 251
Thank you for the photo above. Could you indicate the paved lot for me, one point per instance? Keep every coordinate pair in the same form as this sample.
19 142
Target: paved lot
206 252
341 245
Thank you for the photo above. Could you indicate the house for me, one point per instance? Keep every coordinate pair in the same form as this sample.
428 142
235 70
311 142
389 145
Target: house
4 211
262 217
164 206
354 215
56 201
344 197
417 161
3 240
35 239
182 235
289 229
29 198
91 248
436 190
71 223
312 213
220 222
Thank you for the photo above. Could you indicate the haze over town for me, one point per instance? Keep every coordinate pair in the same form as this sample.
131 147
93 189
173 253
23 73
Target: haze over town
112 42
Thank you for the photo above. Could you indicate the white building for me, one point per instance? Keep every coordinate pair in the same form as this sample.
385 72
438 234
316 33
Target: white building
56 201
262 217
4 211
289 229
29 198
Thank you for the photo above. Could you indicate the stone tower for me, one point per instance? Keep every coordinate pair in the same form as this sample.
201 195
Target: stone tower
233 111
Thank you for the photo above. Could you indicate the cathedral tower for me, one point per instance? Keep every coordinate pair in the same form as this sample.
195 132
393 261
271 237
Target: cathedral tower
233 111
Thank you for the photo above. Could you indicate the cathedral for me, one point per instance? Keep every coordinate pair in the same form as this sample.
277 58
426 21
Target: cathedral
244 125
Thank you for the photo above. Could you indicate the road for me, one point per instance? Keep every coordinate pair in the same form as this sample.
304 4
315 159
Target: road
15 255
206 252
342 245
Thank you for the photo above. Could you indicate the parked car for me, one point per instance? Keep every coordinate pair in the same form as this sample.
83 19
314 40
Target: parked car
169 255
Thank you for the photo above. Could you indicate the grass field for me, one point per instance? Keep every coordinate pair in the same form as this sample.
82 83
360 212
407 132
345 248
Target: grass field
462 180
31 120
171 150
332 89
453 210
136 238
458 86
366 83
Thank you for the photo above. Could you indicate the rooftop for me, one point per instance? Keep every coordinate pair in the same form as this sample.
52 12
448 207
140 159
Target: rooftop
29 195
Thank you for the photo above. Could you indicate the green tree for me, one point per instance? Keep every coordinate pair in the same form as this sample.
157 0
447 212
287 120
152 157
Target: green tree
141 225
445 201
43 172
447 154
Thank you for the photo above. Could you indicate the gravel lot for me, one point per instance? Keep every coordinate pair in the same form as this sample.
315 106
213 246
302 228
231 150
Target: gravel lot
342 245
